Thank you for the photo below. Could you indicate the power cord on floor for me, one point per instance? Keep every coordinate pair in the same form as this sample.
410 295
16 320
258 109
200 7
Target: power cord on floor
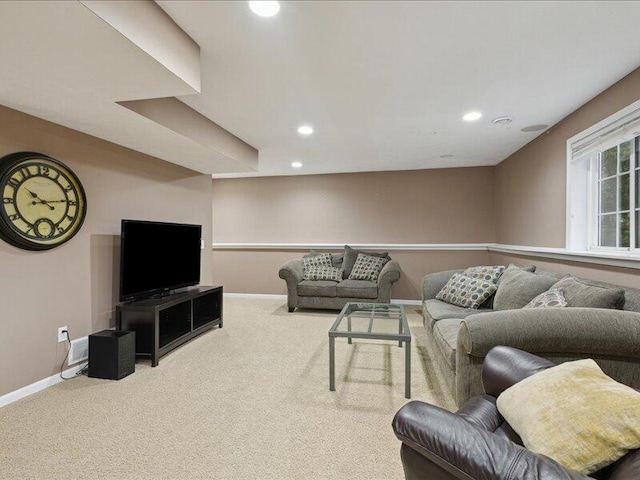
83 371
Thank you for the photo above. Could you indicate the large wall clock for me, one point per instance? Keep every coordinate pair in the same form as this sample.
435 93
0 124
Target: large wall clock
43 202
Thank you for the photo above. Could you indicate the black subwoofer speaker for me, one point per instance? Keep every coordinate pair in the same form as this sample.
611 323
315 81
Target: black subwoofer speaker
112 354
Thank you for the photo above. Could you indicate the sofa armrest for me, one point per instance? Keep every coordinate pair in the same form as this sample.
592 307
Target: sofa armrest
433 283
390 273
594 331
292 271
506 366
469 452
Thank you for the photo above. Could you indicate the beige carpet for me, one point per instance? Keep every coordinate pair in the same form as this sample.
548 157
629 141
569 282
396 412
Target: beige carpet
249 401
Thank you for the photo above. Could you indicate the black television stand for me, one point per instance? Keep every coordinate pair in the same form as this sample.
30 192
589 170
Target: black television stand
162 324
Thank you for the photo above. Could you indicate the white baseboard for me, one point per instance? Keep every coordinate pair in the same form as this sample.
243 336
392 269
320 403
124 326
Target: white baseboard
401 301
38 386
272 296
284 297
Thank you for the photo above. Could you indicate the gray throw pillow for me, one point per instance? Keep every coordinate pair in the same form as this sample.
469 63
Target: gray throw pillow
581 294
526 268
367 267
351 255
518 287
465 291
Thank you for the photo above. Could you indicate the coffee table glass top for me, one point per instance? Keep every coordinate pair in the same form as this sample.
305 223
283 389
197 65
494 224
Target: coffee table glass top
372 319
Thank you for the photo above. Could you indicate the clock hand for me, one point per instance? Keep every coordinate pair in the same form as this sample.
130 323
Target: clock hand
34 195
43 202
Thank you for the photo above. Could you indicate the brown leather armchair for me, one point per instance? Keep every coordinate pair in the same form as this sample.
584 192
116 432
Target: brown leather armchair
476 443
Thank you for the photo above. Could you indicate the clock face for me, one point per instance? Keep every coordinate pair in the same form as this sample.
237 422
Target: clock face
43 202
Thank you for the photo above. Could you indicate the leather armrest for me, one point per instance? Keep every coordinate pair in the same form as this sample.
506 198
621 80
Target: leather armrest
506 366
469 452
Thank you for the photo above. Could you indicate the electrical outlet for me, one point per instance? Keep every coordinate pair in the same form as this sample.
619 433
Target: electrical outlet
62 336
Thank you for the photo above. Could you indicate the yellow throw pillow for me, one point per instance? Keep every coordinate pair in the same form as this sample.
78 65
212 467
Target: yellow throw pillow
575 414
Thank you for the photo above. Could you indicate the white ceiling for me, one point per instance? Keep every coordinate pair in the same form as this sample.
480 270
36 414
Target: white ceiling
384 84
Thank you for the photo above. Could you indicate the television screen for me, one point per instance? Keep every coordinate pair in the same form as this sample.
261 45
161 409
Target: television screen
157 257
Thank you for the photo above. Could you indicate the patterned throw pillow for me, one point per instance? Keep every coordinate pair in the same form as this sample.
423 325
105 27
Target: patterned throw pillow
549 299
367 267
322 272
316 261
467 292
489 273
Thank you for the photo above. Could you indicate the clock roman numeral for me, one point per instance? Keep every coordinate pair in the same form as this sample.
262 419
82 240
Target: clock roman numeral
14 217
70 218
25 172
71 203
13 182
43 170
7 200
60 230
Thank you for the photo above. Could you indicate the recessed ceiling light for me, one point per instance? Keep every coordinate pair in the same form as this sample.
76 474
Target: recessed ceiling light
534 128
305 130
472 116
296 164
265 8
506 120
446 156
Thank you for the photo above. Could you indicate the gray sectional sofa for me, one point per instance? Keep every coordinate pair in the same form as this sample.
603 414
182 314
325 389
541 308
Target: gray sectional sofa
459 338
330 295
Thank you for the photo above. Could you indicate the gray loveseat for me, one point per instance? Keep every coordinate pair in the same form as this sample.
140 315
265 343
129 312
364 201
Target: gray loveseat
459 338
330 295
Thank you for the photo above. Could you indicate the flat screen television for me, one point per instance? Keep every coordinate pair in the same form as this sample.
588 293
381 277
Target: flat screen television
157 257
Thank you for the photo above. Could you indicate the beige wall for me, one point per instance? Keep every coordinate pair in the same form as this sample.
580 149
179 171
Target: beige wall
531 183
422 206
425 206
628 277
231 267
76 284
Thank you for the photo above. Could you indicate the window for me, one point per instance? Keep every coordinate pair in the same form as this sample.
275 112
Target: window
603 185
617 209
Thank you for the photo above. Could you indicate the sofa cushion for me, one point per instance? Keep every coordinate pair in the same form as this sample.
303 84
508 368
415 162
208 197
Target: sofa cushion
317 288
552 298
579 293
445 335
367 267
322 272
518 287
574 414
357 289
526 268
350 256
466 291
440 310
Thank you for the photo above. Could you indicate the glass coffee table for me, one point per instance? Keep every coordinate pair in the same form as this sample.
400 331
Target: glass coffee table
376 321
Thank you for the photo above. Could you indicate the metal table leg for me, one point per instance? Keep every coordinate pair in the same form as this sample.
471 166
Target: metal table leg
407 369
332 364
349 328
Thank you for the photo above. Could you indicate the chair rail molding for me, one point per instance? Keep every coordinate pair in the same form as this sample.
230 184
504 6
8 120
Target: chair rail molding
614 259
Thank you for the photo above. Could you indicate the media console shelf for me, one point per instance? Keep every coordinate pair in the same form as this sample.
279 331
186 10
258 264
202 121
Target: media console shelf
162 324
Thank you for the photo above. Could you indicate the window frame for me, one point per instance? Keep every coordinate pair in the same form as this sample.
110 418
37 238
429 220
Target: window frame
583 155
595 200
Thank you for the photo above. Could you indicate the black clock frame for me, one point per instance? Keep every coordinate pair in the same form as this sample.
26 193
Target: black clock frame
6 232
